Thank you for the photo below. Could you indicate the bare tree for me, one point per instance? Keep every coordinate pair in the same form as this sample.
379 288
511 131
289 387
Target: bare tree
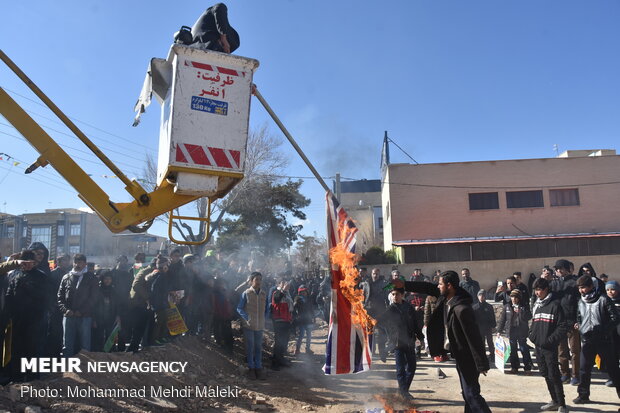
263 160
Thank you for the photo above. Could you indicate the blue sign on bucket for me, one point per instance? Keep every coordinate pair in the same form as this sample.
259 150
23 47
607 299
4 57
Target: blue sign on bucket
209 105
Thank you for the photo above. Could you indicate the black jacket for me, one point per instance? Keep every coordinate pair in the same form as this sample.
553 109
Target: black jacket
565 289
399 320
81 299
600 310
485 317
212 23
27 296
466 344
549 325
514 324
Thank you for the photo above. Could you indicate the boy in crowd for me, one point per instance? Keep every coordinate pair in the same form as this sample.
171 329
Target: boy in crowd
514 323
254 309
597 319
547 329
400 322
485 316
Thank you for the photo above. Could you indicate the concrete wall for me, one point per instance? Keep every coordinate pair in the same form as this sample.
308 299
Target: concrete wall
440 209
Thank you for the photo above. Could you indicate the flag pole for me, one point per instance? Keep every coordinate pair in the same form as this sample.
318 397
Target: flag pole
290 138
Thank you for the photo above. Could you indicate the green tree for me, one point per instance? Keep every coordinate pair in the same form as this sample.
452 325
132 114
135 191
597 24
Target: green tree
259 220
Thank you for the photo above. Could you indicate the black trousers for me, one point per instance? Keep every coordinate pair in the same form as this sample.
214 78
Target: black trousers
549 367
139 320
590 347
282 332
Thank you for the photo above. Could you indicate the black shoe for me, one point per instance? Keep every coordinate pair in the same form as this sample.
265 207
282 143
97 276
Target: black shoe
581 400
406 395
550 406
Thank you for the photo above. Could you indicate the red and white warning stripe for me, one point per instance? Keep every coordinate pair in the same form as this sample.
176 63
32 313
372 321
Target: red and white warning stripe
206 155
212 68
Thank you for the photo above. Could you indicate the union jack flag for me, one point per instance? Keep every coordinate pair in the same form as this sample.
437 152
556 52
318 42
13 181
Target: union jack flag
348 348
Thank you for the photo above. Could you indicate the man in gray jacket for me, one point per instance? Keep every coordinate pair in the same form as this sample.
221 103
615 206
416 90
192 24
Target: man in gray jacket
597 319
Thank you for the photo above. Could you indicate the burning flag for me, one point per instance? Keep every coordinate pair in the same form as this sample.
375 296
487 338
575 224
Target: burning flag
348 348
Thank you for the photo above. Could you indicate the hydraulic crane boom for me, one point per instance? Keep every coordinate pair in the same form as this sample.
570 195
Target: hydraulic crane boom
183 180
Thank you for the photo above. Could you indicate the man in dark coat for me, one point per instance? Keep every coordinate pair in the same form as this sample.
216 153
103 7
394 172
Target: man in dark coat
26 305
77 296
454 315
214 32
402 328
485 317
547 329
469 284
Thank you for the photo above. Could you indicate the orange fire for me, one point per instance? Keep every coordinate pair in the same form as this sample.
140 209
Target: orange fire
389 409
346 260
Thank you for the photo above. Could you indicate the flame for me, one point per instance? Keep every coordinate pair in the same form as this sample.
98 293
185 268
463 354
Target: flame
346 260
389 409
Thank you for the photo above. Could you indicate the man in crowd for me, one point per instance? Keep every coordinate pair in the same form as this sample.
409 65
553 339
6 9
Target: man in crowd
27 299
76 297
122 278
254 309
485 317
282 316
54 327
452 327
502 293
469 284
597 320
565 287
375 301
400 322
513 323
547 329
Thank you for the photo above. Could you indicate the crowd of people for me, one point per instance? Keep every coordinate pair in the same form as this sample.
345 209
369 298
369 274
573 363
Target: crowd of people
59 309
55 308
570 320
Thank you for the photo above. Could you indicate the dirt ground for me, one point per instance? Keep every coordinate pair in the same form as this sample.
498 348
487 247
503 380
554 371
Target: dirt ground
302 387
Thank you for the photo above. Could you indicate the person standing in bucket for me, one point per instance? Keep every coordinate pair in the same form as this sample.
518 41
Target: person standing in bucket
212 31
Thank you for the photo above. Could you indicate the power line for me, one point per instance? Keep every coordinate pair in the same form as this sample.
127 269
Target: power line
403 151
80 121
36 179
75 149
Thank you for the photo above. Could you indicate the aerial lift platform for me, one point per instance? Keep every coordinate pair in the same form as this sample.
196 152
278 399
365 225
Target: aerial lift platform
205 106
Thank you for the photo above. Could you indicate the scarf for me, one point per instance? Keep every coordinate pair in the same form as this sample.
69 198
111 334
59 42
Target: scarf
540 303
591 297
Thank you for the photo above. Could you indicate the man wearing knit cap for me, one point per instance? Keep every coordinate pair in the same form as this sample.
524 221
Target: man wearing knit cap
514 322
400 322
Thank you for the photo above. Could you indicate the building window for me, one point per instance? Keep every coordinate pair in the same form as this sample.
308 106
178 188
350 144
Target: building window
380 223
483 200
75 229
61 230
564 197
525 199
74 249
10 231
42 234
25 231
60 250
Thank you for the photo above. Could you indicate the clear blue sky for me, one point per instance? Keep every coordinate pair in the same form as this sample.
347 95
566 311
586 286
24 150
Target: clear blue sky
449 80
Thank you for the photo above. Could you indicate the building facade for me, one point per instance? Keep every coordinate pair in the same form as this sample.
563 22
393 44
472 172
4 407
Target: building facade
71 231
496 217
362 201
